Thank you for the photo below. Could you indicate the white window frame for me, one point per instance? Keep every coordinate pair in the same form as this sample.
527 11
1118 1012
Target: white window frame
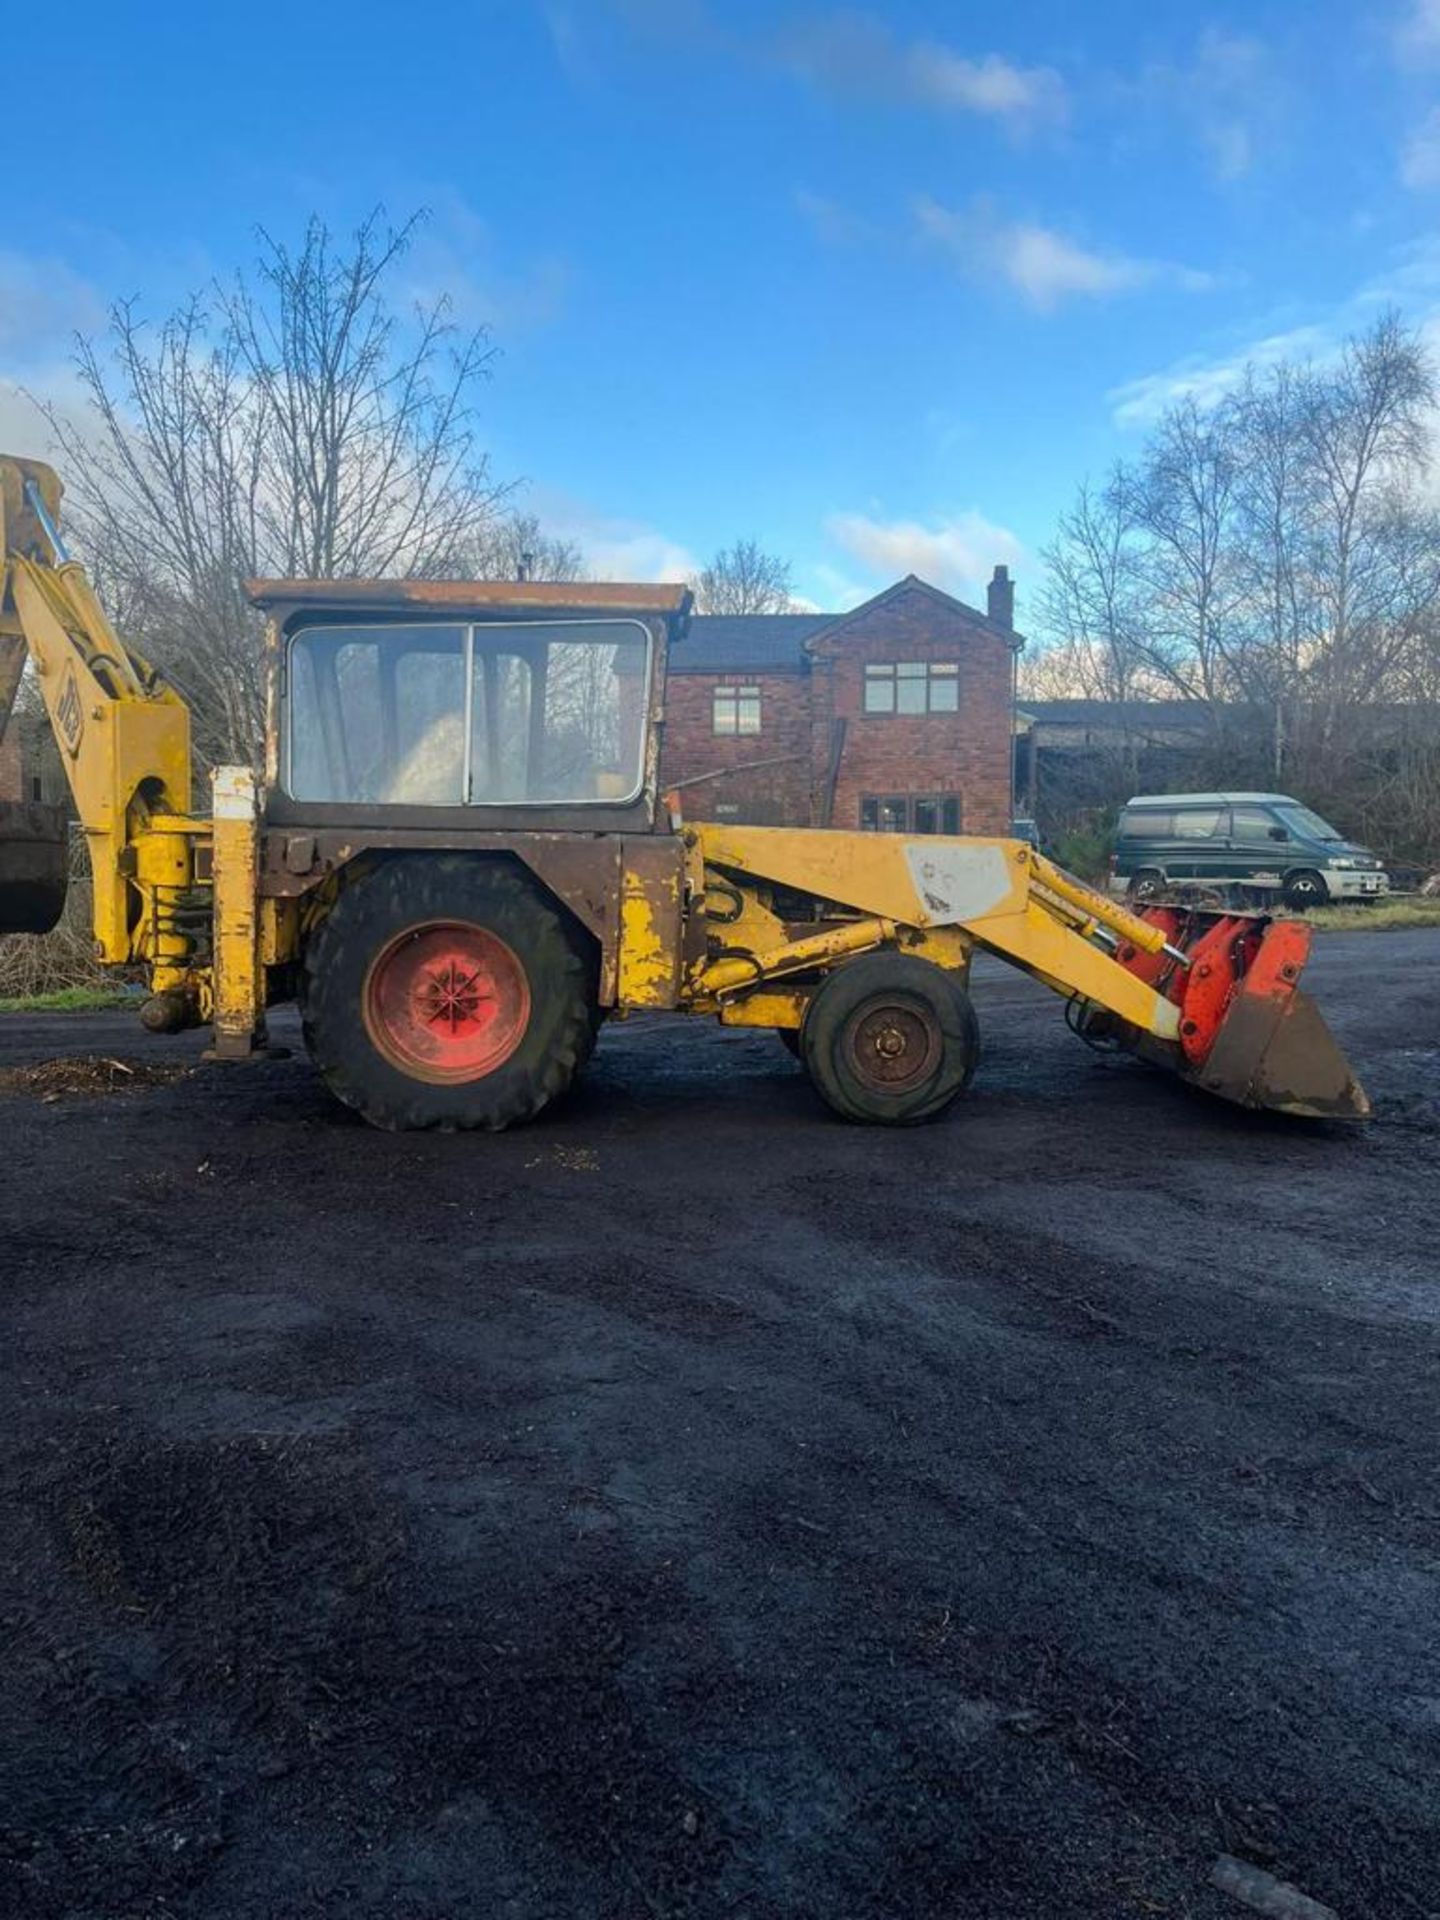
888 676
735 702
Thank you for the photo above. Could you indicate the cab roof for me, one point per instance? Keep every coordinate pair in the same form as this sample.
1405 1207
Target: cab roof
488 597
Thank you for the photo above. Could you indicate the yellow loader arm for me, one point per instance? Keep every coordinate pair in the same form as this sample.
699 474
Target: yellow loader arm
1212 996
124 740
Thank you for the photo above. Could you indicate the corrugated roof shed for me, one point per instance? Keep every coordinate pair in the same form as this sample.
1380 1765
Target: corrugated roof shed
746 642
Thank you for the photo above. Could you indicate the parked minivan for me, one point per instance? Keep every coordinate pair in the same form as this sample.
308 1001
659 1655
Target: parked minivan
1238 845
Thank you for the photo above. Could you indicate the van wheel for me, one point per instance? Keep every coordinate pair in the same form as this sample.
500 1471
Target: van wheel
1147 884
890 1039
1305 889
444 991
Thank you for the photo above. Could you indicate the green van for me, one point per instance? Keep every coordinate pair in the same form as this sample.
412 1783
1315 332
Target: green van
1238 845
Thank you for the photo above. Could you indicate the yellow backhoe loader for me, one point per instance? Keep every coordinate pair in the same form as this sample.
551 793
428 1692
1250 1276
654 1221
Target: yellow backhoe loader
460 861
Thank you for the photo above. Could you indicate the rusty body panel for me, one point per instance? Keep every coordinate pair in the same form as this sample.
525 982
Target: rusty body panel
625 890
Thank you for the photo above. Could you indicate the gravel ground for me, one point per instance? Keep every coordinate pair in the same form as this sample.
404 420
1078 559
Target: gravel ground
693 1506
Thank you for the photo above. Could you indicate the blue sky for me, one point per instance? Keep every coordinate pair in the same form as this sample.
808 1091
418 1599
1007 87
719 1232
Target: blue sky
876 285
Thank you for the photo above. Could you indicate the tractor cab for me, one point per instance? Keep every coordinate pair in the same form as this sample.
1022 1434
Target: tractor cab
467 705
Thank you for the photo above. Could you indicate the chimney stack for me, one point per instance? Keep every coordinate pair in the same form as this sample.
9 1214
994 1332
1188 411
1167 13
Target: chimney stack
1001 598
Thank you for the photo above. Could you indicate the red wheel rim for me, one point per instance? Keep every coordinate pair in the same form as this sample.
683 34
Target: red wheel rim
447 1001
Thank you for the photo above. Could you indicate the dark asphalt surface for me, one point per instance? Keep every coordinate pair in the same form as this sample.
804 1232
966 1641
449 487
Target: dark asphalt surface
693 1506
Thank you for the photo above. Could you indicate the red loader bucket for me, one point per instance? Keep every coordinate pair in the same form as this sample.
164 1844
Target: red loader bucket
1247 1032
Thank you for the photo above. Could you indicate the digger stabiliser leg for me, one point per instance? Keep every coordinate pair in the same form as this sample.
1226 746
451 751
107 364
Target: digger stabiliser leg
1246 1031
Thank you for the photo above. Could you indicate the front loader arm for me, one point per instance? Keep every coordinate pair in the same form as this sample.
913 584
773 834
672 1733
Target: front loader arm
1213 997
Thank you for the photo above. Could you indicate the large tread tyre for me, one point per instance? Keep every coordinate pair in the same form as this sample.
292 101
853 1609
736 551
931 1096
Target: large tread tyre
890 1040
384 959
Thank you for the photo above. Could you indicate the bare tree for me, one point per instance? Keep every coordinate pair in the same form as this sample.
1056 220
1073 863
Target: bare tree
744 578
293 424
1089 607
1182 504
1366 433
1276 559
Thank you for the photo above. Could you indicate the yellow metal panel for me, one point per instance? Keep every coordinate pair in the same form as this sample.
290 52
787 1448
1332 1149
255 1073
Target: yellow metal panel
239 995
651 897
768 1007
279 931
875 873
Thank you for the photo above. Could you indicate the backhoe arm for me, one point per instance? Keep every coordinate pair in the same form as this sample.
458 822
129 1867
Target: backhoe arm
123 735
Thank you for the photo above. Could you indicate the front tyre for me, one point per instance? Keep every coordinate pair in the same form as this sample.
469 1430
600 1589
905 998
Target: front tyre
446 991
1305 889
890 1039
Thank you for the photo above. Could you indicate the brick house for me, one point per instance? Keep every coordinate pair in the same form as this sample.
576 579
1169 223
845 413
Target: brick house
894 717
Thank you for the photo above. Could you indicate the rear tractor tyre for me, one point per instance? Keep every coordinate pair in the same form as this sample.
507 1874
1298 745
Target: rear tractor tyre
890 1040
445 991
1305 889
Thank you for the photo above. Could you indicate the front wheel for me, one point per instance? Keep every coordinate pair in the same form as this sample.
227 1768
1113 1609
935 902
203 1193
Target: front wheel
1305 889
890 1039
445 991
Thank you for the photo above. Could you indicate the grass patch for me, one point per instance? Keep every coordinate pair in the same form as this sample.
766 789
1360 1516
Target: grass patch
1384 916
66 1000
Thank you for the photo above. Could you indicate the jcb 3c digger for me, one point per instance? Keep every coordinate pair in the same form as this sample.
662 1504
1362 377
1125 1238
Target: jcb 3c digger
460 861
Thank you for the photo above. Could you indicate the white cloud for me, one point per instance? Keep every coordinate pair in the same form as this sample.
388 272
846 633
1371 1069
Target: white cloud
829 220
836 591
855 53
42 303
615 548
1043 265
1420 161
1230 93
1418 34
957 553
455 255
1137 403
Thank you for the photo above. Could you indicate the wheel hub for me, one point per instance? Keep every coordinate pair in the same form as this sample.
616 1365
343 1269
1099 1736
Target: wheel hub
893 1046
447 1001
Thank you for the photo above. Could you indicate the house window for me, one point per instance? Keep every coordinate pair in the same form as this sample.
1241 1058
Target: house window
735 710
912 686
910 813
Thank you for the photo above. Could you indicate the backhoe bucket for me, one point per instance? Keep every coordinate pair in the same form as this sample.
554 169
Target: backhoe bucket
34 866
1246 1031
